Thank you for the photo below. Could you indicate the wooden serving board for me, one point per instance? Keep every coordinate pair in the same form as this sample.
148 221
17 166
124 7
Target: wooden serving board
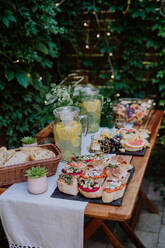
136 153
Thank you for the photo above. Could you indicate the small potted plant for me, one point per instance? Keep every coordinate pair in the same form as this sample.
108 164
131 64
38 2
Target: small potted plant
37 180
29 141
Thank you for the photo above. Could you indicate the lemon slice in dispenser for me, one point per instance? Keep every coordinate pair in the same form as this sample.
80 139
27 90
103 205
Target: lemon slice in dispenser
76 141
64 132
77 128
90 106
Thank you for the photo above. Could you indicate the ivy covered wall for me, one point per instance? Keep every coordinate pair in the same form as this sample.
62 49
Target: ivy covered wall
116 43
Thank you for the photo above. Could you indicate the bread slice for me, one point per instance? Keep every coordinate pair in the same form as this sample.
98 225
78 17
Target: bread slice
95 194
122 161
126 167
3 155
110 192
65 187
17 158
41 154
30 148
10 153
90 188
96 174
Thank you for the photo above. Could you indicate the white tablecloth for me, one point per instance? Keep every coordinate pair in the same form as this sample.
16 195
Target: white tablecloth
41 221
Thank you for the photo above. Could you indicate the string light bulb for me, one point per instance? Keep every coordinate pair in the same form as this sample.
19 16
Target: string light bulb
85 24
110 54
87 46
57 4
40 78
16 61
108 33
98 35
112 76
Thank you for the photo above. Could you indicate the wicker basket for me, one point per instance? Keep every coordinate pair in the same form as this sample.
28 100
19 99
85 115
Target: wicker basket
16 173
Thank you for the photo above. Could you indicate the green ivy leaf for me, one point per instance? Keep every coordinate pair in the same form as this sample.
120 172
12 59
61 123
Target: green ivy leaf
9 75
5 21
22 78
11 18
2 84
103 76
42 48
112 8
103 50
162 87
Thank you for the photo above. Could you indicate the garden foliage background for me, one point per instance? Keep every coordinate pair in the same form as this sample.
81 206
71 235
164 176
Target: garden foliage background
41 41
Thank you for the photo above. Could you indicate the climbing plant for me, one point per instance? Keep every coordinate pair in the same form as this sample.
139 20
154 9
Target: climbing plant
28 52
117 43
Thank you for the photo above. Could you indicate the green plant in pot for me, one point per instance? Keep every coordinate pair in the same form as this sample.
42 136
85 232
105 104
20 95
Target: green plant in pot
29 141
37 180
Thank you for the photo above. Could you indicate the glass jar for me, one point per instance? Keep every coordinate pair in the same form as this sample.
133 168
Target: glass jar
132 110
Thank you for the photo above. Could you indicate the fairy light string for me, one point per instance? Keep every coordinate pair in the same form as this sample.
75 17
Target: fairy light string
127 8
162 8
59 3
106 34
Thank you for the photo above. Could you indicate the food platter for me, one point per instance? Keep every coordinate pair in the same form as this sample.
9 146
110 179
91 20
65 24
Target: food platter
123 141
109 175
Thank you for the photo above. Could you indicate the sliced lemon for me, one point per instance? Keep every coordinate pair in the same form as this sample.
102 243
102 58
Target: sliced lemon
77 128
89 106
98 103
76 141
97 114
64 132
93 127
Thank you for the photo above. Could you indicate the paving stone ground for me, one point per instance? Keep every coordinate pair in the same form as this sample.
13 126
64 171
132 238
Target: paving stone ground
150 227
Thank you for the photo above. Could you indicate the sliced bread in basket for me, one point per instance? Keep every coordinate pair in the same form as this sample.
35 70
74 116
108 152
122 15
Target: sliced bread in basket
18 157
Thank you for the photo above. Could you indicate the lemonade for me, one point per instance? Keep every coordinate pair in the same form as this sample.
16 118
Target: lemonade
92 108
68 138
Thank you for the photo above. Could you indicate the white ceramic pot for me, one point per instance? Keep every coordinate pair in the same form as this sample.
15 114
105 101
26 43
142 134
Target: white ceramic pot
29 145
37 185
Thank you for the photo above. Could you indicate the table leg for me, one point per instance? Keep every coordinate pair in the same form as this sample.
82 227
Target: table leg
92 227
148 203
142 199
95 223
131 235
113 240
137 213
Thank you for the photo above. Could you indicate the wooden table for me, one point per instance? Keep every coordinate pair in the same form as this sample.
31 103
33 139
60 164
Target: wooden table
101 212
